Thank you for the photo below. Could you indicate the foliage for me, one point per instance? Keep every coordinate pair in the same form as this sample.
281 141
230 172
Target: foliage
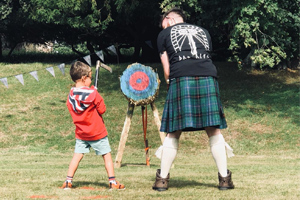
87 16
261 33
264 30
75 21
15 27
187 5
134 23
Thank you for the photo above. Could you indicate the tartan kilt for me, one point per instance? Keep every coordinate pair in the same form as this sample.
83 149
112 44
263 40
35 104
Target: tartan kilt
192 104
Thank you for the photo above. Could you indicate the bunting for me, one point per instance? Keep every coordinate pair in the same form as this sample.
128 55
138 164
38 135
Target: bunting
88 59
34 74
20 78
4 81
112 48
51 70
100 55
61 67
149 43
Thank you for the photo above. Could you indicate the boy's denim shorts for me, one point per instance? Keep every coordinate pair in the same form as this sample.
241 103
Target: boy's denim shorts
101 146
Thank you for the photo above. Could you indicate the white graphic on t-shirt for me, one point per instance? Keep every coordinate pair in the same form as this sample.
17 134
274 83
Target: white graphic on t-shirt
181 33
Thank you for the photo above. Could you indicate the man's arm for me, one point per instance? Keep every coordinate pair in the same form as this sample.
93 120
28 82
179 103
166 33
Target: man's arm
166 65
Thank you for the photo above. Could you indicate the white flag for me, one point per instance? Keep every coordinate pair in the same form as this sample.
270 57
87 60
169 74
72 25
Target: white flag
4 81
34 74
149 43
51 70
62 68
112 48
20 78
87 59
100 55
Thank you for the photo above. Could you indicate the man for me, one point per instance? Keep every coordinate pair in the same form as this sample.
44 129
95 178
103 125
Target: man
193 99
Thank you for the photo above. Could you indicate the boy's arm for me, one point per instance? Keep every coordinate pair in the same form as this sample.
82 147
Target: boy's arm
99 103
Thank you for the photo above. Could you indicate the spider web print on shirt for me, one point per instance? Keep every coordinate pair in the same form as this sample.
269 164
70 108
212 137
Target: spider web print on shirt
188 34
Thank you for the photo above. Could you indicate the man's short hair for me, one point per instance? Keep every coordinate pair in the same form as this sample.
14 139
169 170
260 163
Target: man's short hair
79 69
176 10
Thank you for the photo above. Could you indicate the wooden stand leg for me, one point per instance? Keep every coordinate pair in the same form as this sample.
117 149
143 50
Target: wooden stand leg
157 122
124 135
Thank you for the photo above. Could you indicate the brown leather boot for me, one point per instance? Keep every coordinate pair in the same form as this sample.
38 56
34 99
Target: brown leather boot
160 184
225 182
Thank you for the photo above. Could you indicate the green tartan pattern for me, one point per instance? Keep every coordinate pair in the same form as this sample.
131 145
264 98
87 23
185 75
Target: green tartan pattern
193 103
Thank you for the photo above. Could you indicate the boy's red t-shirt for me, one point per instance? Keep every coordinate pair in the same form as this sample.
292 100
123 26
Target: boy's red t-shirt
86 107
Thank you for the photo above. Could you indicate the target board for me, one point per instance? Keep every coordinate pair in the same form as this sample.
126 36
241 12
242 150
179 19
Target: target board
139 84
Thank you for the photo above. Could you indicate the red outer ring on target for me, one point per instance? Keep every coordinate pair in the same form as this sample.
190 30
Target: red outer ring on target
139 81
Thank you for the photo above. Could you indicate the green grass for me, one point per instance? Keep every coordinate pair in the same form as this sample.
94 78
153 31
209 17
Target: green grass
37 139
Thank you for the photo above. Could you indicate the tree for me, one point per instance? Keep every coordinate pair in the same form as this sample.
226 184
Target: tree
257 32
74 21
136 22
265 32
12 23
16 26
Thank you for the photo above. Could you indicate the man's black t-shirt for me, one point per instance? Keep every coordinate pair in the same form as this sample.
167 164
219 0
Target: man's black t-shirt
188 48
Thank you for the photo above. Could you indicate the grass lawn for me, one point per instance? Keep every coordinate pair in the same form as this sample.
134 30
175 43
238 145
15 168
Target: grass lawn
37 139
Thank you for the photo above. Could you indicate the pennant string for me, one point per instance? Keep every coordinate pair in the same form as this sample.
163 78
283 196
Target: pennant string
61 67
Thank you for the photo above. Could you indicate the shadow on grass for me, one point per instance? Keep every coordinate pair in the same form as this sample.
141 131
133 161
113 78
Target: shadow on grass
260 92
138 164
181 183
90 185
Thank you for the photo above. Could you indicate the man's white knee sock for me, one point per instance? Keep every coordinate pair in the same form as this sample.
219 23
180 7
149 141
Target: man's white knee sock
169 152
217 146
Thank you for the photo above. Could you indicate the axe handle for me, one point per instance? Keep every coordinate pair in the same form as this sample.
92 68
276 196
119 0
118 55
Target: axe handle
97 73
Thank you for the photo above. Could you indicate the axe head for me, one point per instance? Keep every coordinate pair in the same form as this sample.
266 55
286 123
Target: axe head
106 67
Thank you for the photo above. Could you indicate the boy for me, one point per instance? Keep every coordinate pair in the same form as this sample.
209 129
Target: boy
86 107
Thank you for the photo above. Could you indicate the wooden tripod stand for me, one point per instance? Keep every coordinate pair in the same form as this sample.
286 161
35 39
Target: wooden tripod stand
125 131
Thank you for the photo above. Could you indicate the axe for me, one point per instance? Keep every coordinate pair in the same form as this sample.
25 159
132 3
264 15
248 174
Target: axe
98 65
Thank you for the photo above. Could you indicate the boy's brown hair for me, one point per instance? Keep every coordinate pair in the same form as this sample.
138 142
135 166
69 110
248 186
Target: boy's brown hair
79 69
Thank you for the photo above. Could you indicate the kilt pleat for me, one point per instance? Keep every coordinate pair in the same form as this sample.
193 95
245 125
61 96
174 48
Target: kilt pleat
192 104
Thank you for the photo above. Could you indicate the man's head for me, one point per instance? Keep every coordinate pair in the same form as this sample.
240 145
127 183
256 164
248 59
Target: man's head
80 71
172 17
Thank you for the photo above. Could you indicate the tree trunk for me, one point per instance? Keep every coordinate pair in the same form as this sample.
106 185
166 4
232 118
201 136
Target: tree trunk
74 50
91 49
11 50
1 52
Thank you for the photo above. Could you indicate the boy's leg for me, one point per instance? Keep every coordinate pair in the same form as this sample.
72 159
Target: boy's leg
74 163
109 166
72 169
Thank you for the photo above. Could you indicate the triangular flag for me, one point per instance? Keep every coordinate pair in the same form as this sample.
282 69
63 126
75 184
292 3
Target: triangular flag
20 78
51 70
87 59
34 74
149 43
100 55
112 48
4 81
62 68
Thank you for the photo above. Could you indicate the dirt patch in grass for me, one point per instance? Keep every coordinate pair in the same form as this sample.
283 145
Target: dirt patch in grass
261 129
